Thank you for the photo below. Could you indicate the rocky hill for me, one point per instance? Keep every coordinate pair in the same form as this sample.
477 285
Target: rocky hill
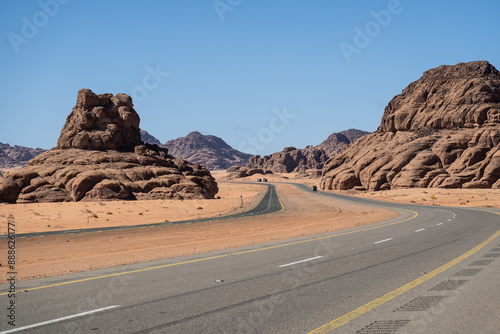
207 150
292 159
100 156
443 130
16 156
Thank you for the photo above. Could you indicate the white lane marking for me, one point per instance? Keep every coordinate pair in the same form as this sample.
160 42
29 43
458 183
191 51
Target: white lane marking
289 264
383 241
449 220
440 224
60 319
420 230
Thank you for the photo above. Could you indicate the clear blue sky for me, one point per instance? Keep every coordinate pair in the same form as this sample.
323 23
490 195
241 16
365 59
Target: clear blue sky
231 64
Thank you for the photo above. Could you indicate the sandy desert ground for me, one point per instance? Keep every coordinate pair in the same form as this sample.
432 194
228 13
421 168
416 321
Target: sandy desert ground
75 215
305 214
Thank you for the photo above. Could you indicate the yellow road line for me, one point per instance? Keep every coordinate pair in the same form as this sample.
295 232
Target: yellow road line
385 298
214 257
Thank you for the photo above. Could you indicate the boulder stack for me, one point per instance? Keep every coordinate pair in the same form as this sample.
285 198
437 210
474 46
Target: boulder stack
100 156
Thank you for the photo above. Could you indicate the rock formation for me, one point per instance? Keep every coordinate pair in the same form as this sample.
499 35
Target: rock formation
100 156
310 159
290 160
443 130
235 172
207 150
16 156
101 122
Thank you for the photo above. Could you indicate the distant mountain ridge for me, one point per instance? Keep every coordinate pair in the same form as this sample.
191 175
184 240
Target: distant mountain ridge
214 153
207 150
16 156
147 138
337 141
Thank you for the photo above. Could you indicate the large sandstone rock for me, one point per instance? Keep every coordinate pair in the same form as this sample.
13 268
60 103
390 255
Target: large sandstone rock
443 130
92 163
101 122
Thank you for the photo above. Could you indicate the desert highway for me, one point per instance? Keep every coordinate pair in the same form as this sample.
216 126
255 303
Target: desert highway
268 204
430 270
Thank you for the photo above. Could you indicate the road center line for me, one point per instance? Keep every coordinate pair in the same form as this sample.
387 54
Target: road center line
289 264
378 242
440 224
60 319
420 230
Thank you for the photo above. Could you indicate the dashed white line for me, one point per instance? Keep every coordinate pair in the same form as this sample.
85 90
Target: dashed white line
440 224
378 242
290 264
420 230
59 319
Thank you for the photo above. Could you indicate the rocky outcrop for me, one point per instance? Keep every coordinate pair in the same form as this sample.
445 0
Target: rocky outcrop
100 122
290 160
100 156
16 156
235 172
207 150
447 97
309 159
443 130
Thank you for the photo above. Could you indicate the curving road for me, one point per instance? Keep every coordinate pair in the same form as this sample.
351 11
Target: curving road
268 204
430 270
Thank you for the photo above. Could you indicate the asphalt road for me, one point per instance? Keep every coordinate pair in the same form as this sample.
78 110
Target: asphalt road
269 203
431 270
